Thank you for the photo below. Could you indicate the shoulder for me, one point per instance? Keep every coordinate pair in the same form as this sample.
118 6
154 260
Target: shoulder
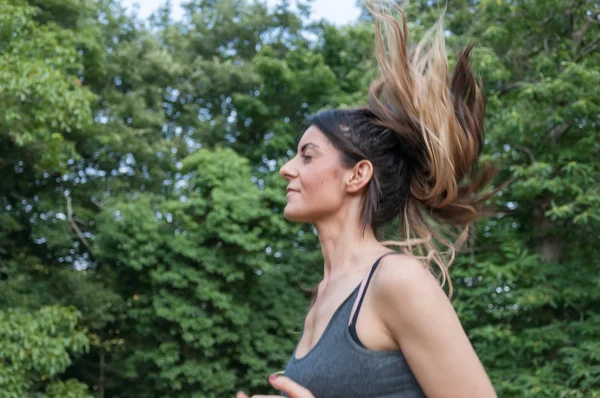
402 275
418 315
407 293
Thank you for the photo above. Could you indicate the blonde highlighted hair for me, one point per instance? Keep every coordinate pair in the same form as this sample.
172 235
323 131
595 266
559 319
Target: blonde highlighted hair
448 113
423 132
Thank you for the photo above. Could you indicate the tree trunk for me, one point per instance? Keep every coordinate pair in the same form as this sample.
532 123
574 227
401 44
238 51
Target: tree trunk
101 386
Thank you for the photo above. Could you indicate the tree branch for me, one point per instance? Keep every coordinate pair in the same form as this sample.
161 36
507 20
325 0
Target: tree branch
587 49
509 86
97 203
557 132
17 196
74 223
526 150
592 20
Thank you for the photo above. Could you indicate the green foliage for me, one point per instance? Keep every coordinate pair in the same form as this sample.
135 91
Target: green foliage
193 264
528 294
142 247
43 102
35 348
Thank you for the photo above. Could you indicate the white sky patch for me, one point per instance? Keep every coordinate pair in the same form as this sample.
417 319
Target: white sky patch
338 12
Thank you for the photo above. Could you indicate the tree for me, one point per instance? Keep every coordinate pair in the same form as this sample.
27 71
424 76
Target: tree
140 205
35 348
528 293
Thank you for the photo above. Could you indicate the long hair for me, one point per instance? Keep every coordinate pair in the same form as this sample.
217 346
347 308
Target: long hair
423 132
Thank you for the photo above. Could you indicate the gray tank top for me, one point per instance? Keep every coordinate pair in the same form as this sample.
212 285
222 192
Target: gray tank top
339 366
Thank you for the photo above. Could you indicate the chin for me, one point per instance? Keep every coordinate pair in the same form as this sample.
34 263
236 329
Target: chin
296 216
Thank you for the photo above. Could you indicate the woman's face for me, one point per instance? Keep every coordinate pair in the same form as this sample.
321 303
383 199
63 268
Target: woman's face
316 187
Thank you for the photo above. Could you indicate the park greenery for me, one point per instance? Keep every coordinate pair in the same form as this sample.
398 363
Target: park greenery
143 249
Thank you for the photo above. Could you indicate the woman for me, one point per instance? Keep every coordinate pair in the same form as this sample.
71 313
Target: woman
380 325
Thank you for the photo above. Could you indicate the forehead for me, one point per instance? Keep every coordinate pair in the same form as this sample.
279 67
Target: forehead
315 136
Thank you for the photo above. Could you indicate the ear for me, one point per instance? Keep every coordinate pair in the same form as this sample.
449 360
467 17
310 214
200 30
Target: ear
359 176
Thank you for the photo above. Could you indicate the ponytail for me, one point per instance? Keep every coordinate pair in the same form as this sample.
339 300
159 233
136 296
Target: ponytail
440 119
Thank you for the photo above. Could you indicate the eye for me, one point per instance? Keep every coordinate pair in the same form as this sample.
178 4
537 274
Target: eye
306 157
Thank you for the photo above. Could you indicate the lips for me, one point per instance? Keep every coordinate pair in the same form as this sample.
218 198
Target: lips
292 190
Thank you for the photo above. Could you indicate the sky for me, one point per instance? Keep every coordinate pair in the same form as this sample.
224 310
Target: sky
336 11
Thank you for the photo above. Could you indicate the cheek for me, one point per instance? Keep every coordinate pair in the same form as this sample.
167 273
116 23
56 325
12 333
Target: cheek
317 185
320 192
328 182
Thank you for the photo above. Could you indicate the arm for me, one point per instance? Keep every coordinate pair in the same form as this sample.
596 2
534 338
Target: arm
421 319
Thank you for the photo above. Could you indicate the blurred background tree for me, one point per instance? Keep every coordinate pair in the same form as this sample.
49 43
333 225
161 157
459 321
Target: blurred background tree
143 250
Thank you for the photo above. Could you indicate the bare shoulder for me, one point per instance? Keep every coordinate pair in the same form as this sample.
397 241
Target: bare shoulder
404 276
418 315
405 291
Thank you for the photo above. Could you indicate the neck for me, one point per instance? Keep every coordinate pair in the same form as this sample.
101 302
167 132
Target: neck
345 248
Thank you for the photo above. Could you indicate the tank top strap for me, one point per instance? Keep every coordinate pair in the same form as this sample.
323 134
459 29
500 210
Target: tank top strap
362 296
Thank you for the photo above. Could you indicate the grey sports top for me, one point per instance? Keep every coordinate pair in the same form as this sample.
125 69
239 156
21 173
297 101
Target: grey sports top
339 366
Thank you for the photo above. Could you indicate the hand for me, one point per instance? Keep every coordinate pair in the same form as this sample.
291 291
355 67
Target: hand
285 384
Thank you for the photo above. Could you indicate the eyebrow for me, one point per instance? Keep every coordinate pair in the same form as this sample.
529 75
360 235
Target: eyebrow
308 144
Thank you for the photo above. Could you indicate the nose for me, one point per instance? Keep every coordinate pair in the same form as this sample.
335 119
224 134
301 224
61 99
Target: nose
287 171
